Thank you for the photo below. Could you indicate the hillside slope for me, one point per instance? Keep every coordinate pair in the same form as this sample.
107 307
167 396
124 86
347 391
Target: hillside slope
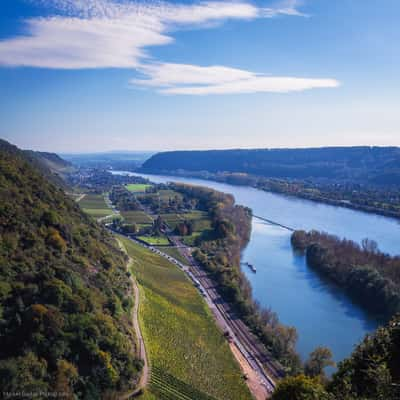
64 305
373 164
52 166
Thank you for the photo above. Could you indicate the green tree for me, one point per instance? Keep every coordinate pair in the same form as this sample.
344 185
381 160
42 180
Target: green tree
300 387
318 360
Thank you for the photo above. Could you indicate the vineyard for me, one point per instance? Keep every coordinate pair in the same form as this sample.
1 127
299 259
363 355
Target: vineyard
167 387
187 352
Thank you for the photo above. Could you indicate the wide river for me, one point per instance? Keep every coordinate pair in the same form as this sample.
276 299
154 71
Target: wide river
321 314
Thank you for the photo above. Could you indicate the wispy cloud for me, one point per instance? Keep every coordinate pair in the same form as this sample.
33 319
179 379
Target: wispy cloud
197 80
82 34
107 34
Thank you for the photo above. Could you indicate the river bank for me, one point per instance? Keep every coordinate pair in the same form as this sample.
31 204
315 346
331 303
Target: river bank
292 189
321 314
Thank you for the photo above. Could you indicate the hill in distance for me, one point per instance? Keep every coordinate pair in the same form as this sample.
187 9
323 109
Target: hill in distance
112 159
379 165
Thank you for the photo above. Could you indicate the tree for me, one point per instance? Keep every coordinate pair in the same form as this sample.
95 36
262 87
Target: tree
369 246
320 358
300 387
66 377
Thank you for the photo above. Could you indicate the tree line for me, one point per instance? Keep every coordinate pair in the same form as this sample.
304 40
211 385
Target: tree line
219 252
369 276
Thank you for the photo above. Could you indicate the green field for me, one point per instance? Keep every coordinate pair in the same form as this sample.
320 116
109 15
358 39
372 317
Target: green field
199 218
173 252
136 217
155 240
189 240
94 205
189 356
137 187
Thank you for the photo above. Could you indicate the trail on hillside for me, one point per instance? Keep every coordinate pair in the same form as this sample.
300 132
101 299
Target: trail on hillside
145 376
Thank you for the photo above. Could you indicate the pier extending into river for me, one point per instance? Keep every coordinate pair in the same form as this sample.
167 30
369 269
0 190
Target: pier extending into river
274 223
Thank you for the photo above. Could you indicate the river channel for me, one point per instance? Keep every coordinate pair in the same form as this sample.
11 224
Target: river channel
321 313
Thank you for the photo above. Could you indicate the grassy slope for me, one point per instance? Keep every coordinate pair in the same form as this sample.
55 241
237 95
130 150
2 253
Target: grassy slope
181 336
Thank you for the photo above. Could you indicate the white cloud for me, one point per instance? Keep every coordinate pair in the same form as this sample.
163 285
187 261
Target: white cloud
75 43
106 33
197 80
85 34
168 74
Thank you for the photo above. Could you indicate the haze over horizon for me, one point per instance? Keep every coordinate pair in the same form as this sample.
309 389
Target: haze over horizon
99 75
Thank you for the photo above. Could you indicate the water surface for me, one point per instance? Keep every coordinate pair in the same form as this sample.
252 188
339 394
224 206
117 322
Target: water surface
321 313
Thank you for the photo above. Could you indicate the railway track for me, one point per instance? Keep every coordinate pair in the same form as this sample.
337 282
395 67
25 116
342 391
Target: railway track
248 344
256 356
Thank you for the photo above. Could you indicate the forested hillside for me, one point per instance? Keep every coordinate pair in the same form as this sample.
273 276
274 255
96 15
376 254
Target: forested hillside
379 165
64 293
52 166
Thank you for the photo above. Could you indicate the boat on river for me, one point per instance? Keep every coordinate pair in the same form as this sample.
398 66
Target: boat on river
251 266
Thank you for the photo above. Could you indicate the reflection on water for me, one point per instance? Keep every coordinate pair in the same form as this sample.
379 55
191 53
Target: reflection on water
322 314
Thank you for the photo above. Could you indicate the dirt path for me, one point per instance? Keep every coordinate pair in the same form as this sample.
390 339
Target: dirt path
145 376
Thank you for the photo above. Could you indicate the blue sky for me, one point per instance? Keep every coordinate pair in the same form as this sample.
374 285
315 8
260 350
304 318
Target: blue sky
96 75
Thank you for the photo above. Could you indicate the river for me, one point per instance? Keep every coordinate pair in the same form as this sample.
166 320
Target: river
321 313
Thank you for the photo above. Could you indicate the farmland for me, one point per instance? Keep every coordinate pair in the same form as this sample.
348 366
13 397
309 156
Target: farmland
137 187
136 217
95 206
155 240
200 219
188 355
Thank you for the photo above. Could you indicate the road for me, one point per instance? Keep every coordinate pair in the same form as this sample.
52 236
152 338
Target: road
258 365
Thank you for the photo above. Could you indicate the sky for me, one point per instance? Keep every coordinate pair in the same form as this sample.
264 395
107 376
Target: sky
99 75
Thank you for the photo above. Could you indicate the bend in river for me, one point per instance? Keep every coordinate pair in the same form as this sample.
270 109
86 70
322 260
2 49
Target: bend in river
321 313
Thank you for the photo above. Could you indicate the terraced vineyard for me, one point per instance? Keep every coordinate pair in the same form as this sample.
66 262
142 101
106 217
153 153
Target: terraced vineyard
137 217
186 350
94 205
167 387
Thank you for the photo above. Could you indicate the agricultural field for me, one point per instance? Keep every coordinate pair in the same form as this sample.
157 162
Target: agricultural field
137 187
94 205
155 240
136 217
189 357
199 218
